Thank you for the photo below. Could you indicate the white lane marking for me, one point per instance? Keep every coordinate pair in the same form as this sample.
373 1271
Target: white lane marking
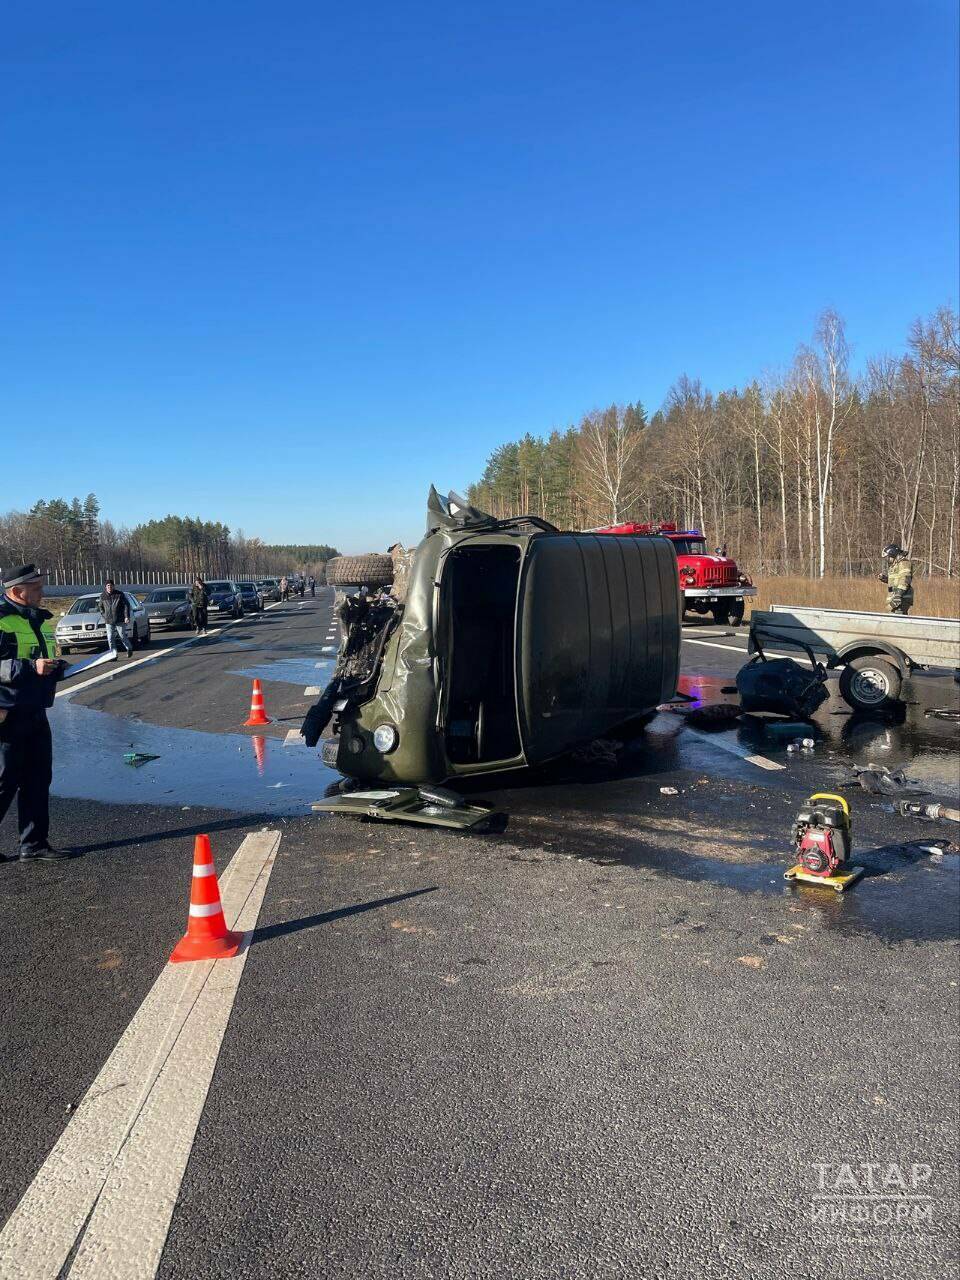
733 649
294 738
704 631
149 657
734 748
139 1197
45 1225
311 691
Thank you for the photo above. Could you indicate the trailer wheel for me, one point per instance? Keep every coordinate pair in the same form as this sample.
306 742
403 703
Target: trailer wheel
870 684
360 571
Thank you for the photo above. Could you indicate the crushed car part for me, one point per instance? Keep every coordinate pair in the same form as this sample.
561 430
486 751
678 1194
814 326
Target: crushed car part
407 804
781 685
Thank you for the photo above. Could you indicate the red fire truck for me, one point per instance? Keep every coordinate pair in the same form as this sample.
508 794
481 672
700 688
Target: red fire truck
710 583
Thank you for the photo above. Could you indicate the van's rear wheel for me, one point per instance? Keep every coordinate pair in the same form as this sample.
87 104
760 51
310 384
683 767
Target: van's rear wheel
360 571
870 684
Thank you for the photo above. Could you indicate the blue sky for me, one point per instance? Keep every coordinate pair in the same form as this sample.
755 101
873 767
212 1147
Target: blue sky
285 264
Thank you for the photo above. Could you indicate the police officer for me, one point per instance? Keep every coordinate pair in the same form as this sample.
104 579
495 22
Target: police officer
29 670
899 579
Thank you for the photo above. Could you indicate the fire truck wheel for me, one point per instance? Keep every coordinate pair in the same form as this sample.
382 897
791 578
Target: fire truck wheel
721 614
870 684
736 612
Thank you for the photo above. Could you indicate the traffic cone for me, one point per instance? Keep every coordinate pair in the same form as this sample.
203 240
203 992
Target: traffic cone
207 936
258 715
260 751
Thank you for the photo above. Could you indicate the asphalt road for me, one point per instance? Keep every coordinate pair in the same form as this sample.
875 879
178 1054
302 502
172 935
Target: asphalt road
607 1041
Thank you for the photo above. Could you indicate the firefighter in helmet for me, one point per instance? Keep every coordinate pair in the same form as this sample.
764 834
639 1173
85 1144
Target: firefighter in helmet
899 579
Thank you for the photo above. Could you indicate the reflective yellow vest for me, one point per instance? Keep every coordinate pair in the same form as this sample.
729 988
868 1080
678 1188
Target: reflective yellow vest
27 646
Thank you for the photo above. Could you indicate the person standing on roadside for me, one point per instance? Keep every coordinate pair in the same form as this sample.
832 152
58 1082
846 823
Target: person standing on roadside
113 606
29 671
199 600
284 588
899 579
313 588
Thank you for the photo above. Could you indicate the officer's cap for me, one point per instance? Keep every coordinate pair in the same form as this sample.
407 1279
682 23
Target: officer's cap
20 576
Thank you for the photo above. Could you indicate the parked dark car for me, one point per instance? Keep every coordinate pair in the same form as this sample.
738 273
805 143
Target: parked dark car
250 597
224 599
269 588
515 644
168 607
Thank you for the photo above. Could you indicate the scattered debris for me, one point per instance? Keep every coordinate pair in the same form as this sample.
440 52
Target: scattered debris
784 729
669 791
599 751
877 779
943 713
715 714
137 758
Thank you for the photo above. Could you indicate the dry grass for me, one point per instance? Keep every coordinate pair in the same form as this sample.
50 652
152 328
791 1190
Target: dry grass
933 597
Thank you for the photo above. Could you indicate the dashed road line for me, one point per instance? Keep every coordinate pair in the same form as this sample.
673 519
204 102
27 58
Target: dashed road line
732 648
294 738
735 749
114 1175
311 691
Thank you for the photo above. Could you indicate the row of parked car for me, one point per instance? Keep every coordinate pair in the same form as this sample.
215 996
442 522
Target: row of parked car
82 626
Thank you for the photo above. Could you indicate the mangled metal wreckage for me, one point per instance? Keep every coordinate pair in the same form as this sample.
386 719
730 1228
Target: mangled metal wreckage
515 644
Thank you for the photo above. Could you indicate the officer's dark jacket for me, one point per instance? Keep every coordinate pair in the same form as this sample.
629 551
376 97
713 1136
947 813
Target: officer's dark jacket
21 689
113 607
199 596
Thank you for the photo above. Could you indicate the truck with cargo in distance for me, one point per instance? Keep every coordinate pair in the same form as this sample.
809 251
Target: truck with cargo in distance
875 652
709 583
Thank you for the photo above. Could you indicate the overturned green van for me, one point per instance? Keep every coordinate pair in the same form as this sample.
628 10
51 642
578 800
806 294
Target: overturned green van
515 643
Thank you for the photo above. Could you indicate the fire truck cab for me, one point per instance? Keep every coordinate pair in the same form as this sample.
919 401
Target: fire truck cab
710 583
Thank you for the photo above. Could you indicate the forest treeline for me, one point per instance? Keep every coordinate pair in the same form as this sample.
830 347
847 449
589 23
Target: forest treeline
74 541
809 471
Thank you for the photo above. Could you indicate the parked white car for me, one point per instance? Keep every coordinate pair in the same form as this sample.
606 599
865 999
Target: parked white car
82 626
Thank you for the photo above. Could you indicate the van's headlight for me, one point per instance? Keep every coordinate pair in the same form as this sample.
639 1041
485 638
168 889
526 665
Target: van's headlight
385 738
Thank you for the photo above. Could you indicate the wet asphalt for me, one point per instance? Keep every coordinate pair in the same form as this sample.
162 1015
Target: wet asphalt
608 1040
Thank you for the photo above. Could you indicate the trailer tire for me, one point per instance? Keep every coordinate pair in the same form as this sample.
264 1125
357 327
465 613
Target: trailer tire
869 683
360 571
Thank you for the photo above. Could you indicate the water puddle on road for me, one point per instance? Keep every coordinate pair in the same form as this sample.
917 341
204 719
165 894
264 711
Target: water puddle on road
250 774
303 671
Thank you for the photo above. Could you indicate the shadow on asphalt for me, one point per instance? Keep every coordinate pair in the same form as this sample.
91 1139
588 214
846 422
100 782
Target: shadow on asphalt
327 917
225 824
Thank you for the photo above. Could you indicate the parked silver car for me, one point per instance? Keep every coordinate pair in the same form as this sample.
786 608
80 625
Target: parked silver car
82 626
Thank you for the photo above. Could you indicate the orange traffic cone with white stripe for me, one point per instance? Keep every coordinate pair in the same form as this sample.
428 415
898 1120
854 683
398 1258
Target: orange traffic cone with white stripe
258 713
207 936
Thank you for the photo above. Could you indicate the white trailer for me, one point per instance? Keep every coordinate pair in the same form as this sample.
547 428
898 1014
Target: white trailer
875 651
